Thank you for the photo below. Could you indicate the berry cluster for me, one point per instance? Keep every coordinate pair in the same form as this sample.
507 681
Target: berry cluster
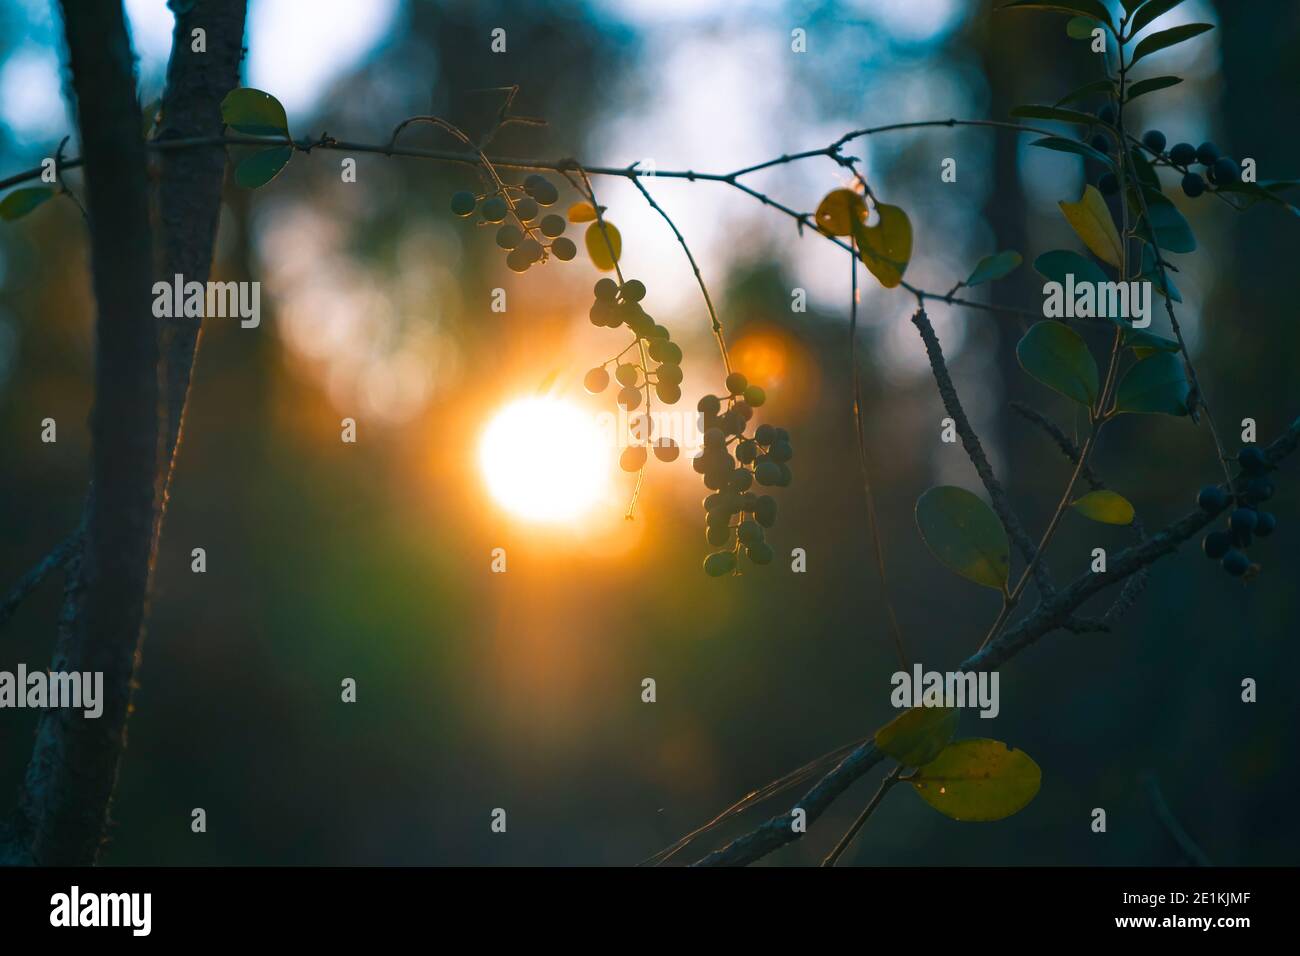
523 231
1219 170
731 472
617 305
1246 520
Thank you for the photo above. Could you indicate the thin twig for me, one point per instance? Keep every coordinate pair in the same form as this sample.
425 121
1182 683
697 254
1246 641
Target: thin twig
885 786
975 452
30 581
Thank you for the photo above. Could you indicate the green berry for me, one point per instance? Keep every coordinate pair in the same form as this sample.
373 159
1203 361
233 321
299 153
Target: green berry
765 510
629 397
781 451
750 533
755 396
606 289
669 374
552 226
563 249
526 210
530 248
494 209
541 189
518 261
627 374
508 237
736 383
746 452
719 563
666 449
741 480
767 473
633 458
633 290
719 536
760 553
668 393
463 203
765 435
596 381
709 405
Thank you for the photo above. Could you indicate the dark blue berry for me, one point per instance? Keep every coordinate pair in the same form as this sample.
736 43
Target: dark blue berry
1207 153
1108 184
1226 170
1265 525
1216 545
1252 460
1212 499
1236 563
1193 185
1182 154
1241 523
1100 143
1154 140
1259 488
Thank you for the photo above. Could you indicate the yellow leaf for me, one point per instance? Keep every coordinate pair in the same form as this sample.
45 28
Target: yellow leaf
839 210
916 736
978 779
582 212
885 248
599 249
1105 506
1091 220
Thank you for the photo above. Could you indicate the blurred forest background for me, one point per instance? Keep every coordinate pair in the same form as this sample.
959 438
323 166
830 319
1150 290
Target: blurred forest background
522 690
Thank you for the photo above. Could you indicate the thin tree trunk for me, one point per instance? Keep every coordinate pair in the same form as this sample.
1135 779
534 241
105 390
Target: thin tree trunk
140 395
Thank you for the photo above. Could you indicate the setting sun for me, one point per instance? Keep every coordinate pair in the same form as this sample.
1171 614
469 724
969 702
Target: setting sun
545 459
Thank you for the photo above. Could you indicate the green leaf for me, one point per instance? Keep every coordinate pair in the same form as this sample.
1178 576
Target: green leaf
1091 221
1080 28
1096 86
885 248
1148 12
1154 386
964 533
994 267
22 201
917 736
262 166
1167 38
1142 87
1054 113
1059 263
599 249
1084 8
1057 356
1104 506
254 112
1062 145
1172 232
1146 173
979 780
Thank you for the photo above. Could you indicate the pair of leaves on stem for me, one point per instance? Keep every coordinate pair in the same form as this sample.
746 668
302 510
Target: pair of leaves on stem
968 538
1056 355
256 113
970 780
884 248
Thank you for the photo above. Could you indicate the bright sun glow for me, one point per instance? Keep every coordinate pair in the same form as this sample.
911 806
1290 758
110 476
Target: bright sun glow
545 460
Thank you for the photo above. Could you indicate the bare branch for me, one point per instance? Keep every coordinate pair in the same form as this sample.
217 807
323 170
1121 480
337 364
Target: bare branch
56 560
